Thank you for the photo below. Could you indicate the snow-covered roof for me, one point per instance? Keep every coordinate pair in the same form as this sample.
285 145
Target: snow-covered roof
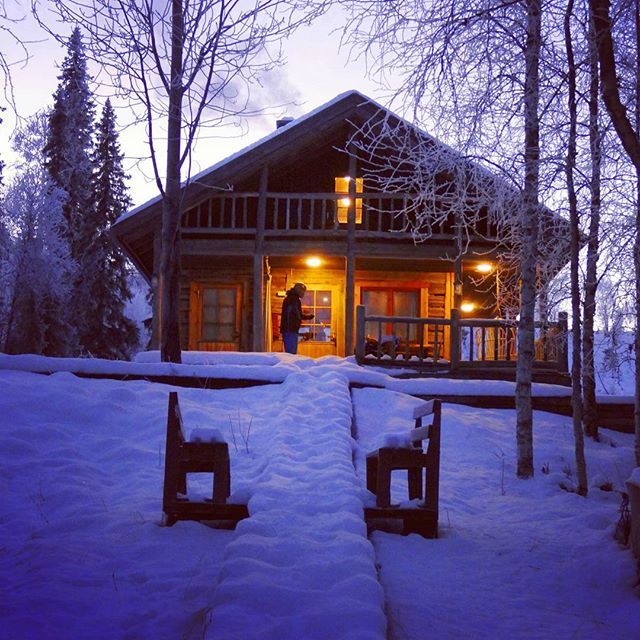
254 145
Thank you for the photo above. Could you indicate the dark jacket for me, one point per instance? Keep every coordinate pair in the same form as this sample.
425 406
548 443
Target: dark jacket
292 315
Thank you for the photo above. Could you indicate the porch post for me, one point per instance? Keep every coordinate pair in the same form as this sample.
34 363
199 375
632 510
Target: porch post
349 315
156 290
457 300
360 333
258 343
454 339
563 338
457 270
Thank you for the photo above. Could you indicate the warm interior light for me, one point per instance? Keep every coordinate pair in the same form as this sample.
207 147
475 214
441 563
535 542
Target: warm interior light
313 262
342 189
467 307
484 267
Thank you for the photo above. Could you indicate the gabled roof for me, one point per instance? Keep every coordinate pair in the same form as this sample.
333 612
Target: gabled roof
336 110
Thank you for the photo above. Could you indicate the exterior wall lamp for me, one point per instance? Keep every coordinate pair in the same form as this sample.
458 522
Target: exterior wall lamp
313 261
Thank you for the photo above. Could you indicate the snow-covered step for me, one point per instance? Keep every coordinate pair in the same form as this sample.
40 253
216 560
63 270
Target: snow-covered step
301 566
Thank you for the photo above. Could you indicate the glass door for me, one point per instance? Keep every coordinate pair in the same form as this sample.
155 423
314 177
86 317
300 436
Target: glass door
380 301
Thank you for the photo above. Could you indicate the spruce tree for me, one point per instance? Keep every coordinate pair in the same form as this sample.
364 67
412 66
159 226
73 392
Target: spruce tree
68 161
107 332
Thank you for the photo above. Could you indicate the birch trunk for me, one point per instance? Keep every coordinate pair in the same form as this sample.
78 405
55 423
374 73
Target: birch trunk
576 389
636 246
170 250
590 416
529 250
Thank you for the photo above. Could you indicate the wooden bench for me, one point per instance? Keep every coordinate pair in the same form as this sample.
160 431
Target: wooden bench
183 457
423 518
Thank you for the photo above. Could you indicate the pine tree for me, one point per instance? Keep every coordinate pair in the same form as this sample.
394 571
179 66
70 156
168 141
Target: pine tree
68 162
68 149
107 332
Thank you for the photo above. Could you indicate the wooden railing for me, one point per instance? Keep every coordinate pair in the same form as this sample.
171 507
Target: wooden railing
494 342
310 213
455 343
397 340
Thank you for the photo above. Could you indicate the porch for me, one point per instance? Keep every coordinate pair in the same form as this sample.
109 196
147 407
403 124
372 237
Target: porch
460 347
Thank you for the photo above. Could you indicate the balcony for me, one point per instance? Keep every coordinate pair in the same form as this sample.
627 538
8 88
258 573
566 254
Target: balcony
378 215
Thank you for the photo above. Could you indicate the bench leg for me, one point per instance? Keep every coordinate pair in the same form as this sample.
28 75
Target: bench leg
222 480
181 483
383 478
372 474
414 479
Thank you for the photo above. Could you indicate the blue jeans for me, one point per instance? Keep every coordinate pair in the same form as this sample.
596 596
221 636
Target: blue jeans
290 342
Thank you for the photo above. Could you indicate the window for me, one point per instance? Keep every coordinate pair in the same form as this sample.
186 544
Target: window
320 328
342 188
219 314
391 302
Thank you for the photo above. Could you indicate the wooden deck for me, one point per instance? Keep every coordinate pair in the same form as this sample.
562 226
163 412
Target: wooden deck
455 347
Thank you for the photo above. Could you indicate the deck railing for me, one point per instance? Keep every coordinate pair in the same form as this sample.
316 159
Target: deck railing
455 343
310 213
494 342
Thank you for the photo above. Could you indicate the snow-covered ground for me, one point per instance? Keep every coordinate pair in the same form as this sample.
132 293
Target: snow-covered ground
84 555
269 367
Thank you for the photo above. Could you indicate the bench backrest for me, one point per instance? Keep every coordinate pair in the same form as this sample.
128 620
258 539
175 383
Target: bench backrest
431 431
175 431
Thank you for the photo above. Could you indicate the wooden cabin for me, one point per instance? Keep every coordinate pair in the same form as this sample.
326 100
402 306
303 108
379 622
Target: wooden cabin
295 206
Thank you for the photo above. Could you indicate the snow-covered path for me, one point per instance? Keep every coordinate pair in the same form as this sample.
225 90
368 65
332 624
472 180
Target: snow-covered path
301 566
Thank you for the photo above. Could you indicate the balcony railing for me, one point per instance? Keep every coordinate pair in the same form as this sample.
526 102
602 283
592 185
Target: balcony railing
310 213
455 343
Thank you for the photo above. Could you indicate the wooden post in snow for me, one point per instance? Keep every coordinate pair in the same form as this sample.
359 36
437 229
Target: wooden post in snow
349 314
258 264
563 337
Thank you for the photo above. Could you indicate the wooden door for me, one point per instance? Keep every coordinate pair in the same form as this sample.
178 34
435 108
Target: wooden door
319 336
214 317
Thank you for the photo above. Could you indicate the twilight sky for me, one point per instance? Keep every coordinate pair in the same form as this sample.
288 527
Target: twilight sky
314 73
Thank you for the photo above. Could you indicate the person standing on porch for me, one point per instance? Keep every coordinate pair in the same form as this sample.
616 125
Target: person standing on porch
292 317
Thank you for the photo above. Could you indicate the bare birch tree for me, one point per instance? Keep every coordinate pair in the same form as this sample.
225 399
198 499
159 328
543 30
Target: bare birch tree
10 18
472 69
590 416
189 63
628 135
576 395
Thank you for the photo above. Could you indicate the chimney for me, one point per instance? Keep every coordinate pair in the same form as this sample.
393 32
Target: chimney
283 121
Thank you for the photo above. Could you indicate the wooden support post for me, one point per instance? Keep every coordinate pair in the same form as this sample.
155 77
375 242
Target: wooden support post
457 282
156 288
258 265
360 333
350 261
563 340
454 345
